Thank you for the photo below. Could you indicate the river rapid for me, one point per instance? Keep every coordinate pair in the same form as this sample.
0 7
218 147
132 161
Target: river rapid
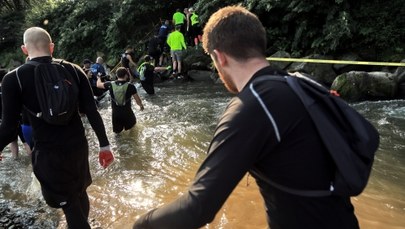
157 160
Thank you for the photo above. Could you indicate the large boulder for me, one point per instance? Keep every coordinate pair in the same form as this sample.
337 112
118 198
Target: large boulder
322 73
359 86
196 59
201 75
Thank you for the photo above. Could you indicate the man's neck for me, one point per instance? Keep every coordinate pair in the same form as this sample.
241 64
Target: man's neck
32 56
242 72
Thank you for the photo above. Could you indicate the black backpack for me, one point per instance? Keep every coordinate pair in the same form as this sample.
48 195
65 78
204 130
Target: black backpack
57 92
350 139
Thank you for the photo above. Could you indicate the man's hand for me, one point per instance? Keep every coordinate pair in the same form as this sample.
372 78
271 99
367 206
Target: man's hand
105 156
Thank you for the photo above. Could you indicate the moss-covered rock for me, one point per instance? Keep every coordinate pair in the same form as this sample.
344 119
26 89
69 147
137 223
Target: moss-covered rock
359 86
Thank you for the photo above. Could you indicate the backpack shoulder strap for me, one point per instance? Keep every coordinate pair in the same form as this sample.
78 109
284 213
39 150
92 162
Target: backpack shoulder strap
63 63
113 85
126 85
268 181
30 62
34 63
297 192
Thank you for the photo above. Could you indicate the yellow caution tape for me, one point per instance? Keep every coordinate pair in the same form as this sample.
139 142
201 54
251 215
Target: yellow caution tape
319 61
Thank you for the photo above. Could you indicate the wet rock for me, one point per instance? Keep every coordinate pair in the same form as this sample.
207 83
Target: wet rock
199 75
21 218
359 86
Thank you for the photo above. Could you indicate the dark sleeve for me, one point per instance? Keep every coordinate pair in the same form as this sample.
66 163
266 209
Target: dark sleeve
232 152
12 106
88 106
107 85
131 90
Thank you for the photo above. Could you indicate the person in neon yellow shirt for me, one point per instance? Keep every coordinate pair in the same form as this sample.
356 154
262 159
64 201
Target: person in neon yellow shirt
178 20
195 29
177 44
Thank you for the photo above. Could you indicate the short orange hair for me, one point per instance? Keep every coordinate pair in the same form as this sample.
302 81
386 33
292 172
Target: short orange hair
235 31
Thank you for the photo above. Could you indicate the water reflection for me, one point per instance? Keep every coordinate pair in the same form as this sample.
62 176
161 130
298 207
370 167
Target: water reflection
156 161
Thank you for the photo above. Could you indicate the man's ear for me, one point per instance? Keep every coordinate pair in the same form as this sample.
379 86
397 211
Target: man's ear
51 47
221 57
24 49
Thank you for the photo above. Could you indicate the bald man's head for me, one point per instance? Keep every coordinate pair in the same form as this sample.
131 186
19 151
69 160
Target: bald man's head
99 60
37 40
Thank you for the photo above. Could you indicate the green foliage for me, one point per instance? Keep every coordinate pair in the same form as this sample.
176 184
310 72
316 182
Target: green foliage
132 24
12 14
7 58
302 27
206 8
8 34
13 5
382 26
87 29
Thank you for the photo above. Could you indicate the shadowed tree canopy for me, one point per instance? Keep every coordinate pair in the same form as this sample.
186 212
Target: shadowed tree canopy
84 29
14 5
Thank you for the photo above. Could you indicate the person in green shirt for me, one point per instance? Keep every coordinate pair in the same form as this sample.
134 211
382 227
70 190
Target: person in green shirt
178 20
177 44
195 28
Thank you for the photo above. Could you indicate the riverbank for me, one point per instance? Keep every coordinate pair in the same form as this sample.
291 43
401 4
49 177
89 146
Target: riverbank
13 217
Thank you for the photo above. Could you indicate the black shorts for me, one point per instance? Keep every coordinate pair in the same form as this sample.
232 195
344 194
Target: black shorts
195 30
122 119
63 174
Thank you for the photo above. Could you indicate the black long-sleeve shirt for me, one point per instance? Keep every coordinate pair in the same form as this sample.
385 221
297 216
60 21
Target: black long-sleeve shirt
47 136
265 130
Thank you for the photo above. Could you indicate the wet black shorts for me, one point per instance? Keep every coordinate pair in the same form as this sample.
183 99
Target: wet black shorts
122 119
63 174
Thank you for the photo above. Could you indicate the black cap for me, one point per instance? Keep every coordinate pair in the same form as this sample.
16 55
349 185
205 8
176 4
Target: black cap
86 61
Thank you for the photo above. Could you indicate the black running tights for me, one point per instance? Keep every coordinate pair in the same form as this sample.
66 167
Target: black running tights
77 212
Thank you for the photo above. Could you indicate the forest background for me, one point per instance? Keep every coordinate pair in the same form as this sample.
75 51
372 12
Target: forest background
373 29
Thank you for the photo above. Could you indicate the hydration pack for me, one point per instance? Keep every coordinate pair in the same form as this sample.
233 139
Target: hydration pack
119 92
57 92
350 139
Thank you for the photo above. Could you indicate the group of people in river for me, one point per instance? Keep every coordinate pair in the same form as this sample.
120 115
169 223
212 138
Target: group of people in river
265 130
164 54
169 37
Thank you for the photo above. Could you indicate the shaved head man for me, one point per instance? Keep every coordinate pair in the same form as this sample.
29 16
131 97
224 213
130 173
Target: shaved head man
60 155
37 42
